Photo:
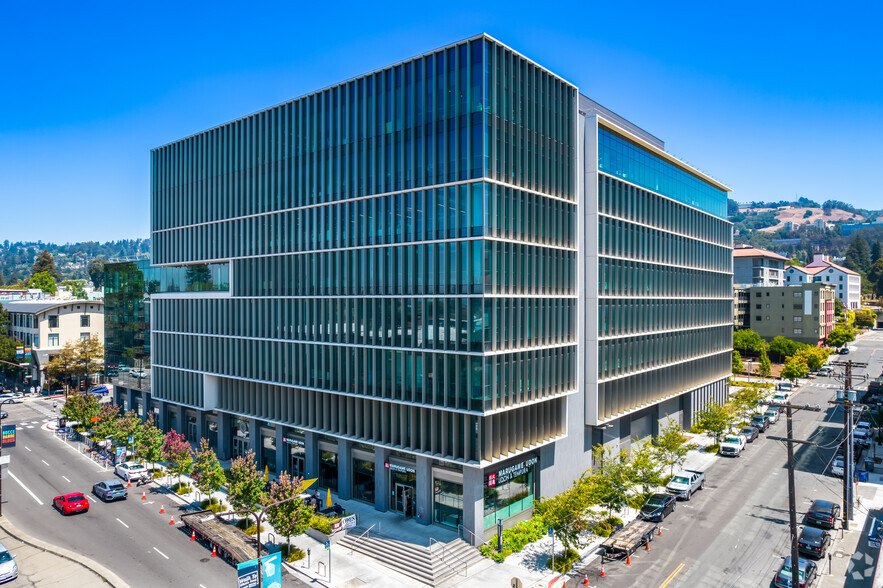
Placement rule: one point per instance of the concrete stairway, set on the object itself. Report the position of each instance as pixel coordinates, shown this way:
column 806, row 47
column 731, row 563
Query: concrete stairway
column 429, row 565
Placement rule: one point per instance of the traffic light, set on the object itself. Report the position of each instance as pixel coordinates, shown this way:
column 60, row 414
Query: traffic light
column 82, row 385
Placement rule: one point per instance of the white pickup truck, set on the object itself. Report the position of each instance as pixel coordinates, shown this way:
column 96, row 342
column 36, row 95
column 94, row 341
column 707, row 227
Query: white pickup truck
column 685, row 483
column 732, row 445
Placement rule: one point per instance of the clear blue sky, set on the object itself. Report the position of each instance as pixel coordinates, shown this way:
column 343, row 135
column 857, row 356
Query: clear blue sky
column 775, row 99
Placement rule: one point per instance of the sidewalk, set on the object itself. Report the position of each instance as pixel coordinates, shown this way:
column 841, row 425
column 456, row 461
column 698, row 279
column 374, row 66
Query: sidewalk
column 44, row 565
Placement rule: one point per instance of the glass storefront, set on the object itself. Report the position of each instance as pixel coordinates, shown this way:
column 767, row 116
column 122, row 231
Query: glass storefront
column 268, row 449
column 240, row 437
column 212, row 428
column 509, row 491
column 403, row 484
column 363, row 480
column 448, row 503
column 190, row 428
column 297, row 454
column 328, row 469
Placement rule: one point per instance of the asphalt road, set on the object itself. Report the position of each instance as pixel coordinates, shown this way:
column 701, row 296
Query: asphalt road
column 735, row 532
column 129, row 536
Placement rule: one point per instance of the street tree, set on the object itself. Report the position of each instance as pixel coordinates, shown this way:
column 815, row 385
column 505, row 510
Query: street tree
column 96, row 272
column 207, row 472
column 646, row 467
column 715, row 418
column 81, row 408
column 748, row 340
column 177, row 454
column 567, row 513
column 127, row 427
column 795, row 367
column 840, row 336
column 671, row 445
column 782, row 347
column 765, row 368
column 814, row 357
column 149, row 440
column 745, row 401
column 107, row 425
column 738, row 366
column 865, row 319
column 89, row 354
column 246, row 482
column 611, row 480
column 77, row 288
column 63, row 366
column 45, row 282
column 292, row 517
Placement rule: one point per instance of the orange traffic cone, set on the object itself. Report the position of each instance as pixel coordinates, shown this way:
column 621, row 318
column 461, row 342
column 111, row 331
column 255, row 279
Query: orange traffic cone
column 586, row 580
column 647, row 545
column 214, row 551
column 193, row 535
column 144, row 496
column 659, row 530
column 128, row 484
column 628, row 559
column 602, row 571
column 162, row 508
column 172, row 520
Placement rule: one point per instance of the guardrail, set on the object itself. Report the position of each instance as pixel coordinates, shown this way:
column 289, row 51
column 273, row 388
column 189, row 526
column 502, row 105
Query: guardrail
column 359, row 538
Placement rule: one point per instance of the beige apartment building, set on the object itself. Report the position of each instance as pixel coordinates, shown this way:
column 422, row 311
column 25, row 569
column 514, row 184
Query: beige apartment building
column 46, row 326
column 803, row 313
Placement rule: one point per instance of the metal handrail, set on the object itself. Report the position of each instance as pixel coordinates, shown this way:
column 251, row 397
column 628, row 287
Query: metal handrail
column 359, row 538
column 459, row 534
column 444, row 558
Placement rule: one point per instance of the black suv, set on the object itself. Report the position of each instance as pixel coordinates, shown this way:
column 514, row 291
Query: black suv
column 813, row 542
column 658, row 507
column 823, row 513
column 759, row 422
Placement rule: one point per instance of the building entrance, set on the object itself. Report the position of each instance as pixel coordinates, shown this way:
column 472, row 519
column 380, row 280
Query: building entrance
column 404, row 500
column 240, row 446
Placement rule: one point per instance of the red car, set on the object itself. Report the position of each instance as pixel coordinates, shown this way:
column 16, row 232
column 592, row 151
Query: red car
column 71, row 503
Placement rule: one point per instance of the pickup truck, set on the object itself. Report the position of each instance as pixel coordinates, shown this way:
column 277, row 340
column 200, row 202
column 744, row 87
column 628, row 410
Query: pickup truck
column 732, row 445
column 685, row 483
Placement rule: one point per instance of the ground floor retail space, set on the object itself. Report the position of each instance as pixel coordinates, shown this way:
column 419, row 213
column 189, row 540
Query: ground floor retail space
column 426, row 490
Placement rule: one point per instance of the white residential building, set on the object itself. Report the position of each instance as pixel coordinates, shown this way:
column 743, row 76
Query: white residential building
column 846, row 282
column 757, row 267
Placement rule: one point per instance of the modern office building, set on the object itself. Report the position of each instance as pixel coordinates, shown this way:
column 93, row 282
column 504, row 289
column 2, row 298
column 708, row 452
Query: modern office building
column 44, row 327
column 741, row 305
column 847, row 283
column 802, row 313
column 449, row 278
column 757, row 267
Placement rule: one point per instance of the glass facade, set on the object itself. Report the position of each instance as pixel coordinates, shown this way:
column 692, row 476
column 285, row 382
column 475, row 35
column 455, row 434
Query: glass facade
column 363, row 480
column 506, row 496
column 665, row 279
column 448, row 503
column 401, row 247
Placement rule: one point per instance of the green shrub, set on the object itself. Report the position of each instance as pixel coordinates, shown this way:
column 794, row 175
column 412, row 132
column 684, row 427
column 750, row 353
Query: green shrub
column 182, row 488
column 291, row 553
column 601, row 529
column 486, row 550
column 499, row 557
column 515, row 539
column 564, row 562
column 322, row 524
column 252, row 530
column 714, row 448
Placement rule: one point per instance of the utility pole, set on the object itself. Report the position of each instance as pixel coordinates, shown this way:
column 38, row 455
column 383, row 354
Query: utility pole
column 790, row 409
column 847, row 400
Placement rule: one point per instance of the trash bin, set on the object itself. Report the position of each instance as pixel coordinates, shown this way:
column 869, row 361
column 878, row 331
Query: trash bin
column 862, row 476
column 869, row 464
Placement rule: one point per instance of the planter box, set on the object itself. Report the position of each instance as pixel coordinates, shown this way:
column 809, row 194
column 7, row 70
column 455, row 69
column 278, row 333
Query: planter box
column 320, row 536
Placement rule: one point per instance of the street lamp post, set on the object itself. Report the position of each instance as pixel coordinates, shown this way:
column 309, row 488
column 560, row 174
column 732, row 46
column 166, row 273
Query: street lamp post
column 258, row 516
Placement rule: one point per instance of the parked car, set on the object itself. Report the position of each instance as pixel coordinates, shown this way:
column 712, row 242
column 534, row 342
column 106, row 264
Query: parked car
column 658, row 507
column 807, row 571
column 8, row 567
column 772, row 414
column 685, row 483
column 813, row 542
column 732, row 445
column 110, row 490
column 71, row 503
column 844, row 351
column 826, row 370
column 861, row 437
column 823, row 513
column 750, row 433
column 12, row 397
column 138, row 374
column 130, row 470
column 759, row 422
column 780, row 397
column 837, row 466
column 3, row 414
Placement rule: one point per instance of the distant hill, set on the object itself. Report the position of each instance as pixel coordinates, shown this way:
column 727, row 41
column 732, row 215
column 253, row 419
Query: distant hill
column 798, row 216
column 72, row 259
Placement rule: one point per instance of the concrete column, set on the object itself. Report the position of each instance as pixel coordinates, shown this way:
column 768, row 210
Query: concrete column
column 381, row 479
column 255, row 442
column 130, row 399
column 473, row 505
column 200, row 426
column 425, row 494
column 147, row 406
column 281, row 451
column 311, row 459
column 344, row 469
column 162, row 421
column 225, row 441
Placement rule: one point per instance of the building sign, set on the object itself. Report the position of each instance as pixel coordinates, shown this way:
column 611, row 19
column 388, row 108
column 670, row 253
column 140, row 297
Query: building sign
column 293, row 441
column 27, row 352
column 19, row 352
column 394, row 467
column 271, row 572
column 504, row 475
column 344, row 523
column 8, row 435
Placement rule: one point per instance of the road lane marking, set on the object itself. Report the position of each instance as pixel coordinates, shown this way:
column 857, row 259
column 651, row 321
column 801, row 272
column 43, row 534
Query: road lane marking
column 201, row 586
column 672, row 576
column 161, row 553
column 28, row 448
column 44, row 461
column 127, row 526
column 66, row 480
column 28, row 490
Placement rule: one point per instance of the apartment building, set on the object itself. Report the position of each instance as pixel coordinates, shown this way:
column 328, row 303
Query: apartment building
column 803, row 313
column 757, row 267
column 847, row 283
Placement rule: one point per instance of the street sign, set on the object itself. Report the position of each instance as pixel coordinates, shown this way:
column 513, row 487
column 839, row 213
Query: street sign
column 8, row 435
column 551, row 531
column 327, row 545
column 131, row 440
column 271, row 572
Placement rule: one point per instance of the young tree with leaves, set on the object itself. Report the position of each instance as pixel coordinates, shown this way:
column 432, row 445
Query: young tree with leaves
column 177, row 453
column 748, row 340
column 671, row 445
column 611, row 479
column 127, row 426
column 765, row 369
column 795, row 367
column 715, row 418
column 292, row 517
column 746, row 400
column 45, row 263
column 81, row 408
column 246, row 482
column 567, row 513
column 107, row 425
column 45, row 282
column 149, row 440
column 840, row 336
column 646, row 467
column 89, row 355
column 207, row 472
column 738, row 366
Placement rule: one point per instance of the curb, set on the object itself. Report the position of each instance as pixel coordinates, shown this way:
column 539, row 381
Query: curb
column 99, row 570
